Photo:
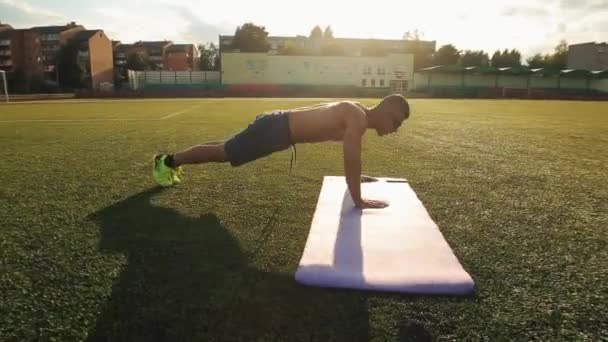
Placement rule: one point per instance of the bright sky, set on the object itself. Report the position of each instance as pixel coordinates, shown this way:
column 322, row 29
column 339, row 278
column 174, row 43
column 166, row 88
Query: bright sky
column 528, row 25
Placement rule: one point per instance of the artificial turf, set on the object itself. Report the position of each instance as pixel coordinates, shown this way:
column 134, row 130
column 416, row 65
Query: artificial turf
column 91, row 249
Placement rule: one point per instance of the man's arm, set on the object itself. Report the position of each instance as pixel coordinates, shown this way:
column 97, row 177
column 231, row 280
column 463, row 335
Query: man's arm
column 355, row 127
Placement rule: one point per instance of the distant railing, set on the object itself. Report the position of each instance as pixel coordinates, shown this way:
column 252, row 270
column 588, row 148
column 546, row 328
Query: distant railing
column 139, row 79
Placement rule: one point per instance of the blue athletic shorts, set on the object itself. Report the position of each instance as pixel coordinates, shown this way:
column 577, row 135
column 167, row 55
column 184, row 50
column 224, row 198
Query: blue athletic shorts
column 269, row 133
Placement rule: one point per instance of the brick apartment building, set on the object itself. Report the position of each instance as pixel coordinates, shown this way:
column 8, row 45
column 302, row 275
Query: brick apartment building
column 95, row 57
column 52, row 39
column 30, row 55
column 182, row 57
column 163, row 54
column 21, row 55
column 588, row 56
column 121, row 54
column 155, row 51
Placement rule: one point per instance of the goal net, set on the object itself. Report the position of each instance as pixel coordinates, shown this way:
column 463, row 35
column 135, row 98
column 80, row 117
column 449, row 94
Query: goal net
column 3, row 86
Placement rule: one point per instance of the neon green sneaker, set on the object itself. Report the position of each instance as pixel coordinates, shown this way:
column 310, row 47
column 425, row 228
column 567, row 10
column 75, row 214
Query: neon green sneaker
column 163, row 175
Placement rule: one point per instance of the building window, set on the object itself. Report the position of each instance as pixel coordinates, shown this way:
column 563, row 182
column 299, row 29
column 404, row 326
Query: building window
column 50, row 36
column 382, row 83
column 364, row 82
column 373, row 82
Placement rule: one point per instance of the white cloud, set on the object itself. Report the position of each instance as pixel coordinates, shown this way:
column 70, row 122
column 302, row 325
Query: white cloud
column 113, row 13
column 528, row 25
column 21, row 12
column 526, row 11
column 25, row 7
column 197, row 30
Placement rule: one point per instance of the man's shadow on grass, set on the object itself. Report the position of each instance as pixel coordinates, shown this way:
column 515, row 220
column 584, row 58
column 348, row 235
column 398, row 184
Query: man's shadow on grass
column 187, row 278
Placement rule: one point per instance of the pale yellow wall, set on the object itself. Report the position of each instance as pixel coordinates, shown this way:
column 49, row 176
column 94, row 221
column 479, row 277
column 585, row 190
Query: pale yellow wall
column 100, row 58
column 260, row 68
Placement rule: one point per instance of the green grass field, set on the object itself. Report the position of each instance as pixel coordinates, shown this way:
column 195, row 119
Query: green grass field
column 91, row 249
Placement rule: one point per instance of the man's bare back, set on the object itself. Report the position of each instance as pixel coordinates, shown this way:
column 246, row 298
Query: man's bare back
column 320, row 123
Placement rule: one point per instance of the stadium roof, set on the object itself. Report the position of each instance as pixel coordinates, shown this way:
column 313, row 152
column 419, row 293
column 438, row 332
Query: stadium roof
column 520, row 70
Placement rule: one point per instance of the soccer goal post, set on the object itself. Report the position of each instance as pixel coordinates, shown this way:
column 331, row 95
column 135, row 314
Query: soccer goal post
column 3, row 85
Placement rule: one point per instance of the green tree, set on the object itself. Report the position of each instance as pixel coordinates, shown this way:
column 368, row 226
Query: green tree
column 316, row 33
column 16, row 81
column 538, row 61
column 413, row 35
column 515, row 58
column 506, row 58
column 328, row 34
column 559, row 60
column 446, row 55
column 497, row 60
column 423, row 56
column 474, row 58
column 69, row 71
column 138, row 62
column 210, row 57
column 251, row 38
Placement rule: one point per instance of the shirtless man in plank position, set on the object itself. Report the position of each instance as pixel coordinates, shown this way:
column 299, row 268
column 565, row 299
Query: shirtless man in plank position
column 344, row 121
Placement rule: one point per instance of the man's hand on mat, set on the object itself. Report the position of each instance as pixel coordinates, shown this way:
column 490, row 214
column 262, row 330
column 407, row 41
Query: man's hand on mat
column 368, row 179
column 371, row 204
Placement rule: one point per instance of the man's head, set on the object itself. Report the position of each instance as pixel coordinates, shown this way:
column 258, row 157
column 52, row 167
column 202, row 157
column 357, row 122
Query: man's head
column 389, row 114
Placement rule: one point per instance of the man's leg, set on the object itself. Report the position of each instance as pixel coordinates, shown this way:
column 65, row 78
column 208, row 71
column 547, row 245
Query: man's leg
column 167, row 170
column 199, row 154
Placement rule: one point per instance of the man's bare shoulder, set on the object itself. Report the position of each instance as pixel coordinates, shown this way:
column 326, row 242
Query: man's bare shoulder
column 351, row 111
column 321, row 105
column 344, row 105
column 346, row 112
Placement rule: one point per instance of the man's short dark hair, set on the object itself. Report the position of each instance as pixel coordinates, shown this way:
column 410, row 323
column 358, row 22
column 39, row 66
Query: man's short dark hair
column 397, row 100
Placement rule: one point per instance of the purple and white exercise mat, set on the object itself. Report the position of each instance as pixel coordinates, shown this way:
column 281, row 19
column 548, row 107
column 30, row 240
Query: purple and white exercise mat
column 398, row 248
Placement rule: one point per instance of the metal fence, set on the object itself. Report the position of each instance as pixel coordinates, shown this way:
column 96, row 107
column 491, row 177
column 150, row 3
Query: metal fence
column 141, row 79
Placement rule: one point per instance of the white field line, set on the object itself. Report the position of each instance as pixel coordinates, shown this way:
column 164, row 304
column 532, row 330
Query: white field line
column 74, row 120
column 166, row 117
column 185, row 99
column 174, row 114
